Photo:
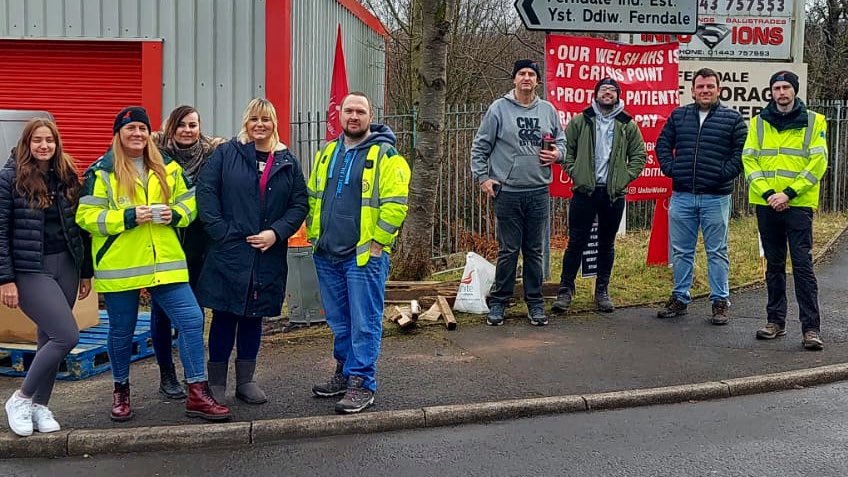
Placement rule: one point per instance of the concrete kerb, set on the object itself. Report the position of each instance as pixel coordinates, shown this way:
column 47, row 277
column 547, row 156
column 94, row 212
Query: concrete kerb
column 271, row 430
column 145, row 439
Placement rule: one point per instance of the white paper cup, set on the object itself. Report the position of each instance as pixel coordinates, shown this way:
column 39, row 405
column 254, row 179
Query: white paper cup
column 156, row 210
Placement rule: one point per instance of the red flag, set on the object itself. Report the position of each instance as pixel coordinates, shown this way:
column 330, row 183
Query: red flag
column 338, row 90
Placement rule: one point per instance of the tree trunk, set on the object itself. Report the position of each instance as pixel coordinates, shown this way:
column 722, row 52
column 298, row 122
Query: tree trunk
column 414, row 255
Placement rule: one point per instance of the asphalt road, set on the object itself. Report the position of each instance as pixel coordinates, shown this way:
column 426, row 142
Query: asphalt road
column 795, row 433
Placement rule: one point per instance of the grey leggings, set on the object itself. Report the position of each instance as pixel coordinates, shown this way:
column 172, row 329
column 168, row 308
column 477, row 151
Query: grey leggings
column 47, row 298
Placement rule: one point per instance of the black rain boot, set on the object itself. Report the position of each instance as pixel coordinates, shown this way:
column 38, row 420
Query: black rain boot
column 169, row 386
column 246, row 388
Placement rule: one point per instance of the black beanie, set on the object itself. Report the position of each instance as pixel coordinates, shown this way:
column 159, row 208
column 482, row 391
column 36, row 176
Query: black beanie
column 128, row 115
column 526, row 64
column 787, row 76
column 608, row 81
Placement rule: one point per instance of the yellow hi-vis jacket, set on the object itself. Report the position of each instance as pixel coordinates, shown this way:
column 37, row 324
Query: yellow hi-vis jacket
column 793, row 159
column 128, row 256
column 384, row 206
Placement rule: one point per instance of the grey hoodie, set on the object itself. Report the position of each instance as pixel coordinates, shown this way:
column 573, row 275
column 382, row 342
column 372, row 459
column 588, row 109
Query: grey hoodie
column 506, row 147
column 604, row 132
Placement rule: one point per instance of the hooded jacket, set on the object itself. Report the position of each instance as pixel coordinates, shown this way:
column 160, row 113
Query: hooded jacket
column 506, row 147
column 358, row 196
column 129, row 256
column 626, row 157
column 786, row 152
column 236, row 277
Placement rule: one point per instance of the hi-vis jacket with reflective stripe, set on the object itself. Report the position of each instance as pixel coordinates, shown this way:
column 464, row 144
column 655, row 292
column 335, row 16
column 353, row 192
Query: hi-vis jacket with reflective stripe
column 128, row 256
column 383, row 208
column 792, row 160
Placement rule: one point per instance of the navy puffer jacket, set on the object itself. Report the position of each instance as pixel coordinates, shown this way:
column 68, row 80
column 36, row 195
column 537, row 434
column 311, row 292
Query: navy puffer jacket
column 702, row 159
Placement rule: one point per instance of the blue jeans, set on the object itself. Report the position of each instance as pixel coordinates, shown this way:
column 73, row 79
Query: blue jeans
column 521, row 221
column 353, row 305
column 687, row 213
column 177, row 300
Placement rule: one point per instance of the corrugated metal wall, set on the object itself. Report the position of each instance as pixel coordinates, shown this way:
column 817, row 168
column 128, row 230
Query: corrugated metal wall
column 213, row 50
column 314, row 25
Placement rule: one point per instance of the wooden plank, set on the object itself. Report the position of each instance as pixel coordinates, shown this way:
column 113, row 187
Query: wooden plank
column 433, row 314
column 447, row 313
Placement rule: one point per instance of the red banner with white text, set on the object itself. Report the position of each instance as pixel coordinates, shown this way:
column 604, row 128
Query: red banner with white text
column 647, row 75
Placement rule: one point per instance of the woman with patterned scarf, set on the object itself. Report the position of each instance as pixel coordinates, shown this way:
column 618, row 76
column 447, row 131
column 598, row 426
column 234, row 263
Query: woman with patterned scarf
column 182, row 140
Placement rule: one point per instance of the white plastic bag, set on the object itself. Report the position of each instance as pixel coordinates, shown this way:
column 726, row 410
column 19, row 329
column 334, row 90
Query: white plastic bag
column 477, row 280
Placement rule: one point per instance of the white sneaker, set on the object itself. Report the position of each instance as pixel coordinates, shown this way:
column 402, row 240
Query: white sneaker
column 19, row 412
column 42, row 419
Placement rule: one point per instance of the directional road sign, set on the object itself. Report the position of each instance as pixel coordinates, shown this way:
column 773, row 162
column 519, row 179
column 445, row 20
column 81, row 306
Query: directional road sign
column 612, row 16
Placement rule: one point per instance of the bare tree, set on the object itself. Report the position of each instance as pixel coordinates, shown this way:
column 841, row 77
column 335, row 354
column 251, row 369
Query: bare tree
column 436, row 20
column 486, row 37
column 826, row 49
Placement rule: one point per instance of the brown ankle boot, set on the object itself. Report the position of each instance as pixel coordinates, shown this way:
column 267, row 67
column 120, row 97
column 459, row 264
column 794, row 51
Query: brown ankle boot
column 201, row 403
column 121, row 410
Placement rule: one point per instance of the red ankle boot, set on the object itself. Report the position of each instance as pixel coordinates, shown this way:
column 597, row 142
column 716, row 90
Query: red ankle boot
column 121, row 410
column 200, row 403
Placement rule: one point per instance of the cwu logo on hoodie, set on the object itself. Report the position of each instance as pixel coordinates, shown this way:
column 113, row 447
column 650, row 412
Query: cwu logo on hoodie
column 529, row 132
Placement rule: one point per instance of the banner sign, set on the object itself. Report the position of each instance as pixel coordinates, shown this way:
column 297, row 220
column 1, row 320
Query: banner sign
column 648, row 76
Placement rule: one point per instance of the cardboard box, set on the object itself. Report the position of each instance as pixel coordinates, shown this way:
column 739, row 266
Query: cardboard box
column 15, row 327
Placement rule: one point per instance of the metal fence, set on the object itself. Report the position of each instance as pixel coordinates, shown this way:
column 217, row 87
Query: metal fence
column 463, row 218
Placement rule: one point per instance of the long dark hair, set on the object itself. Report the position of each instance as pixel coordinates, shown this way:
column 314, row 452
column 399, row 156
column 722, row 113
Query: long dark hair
column 173, row 121
column 30, row 181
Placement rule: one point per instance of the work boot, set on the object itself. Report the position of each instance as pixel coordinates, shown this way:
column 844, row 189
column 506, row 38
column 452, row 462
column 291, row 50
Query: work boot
column 336, row 386
column 812, row 341
column 169, row 386
column 356, row 397
column 720, row 316
column 563, row 301
column 201, row 403
column 121, row 409
column 246, row 388
column 673, row 307
column 217, row 374
column 770, row 331
column 496, row 314
column 603, row 300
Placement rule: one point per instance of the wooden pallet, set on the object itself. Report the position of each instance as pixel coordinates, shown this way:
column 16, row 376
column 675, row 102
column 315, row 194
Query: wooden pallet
column 87, row 359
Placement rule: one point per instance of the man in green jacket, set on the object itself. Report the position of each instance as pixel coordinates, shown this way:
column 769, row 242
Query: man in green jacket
column 604, row 153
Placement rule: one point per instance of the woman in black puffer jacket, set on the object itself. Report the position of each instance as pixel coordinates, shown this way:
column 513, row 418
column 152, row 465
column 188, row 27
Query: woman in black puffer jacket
column 43, row 253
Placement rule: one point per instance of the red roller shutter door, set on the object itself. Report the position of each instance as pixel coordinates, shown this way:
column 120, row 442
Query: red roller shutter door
column 83, row 84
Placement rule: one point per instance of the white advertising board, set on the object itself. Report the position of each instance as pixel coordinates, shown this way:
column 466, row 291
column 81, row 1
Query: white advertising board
column 772, row 8
column 735, row 29
column 744, row 85
column 732, row 37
